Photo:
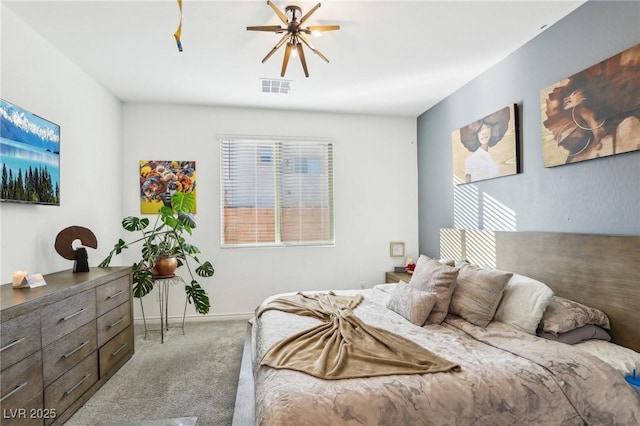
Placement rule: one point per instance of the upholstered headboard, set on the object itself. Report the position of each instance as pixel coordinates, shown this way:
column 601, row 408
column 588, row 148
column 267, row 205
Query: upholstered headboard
column 602, row 271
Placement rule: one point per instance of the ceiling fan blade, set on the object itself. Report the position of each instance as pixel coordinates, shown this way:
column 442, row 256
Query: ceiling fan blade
column 316, row 51
column 322, row 28
column 276, row 47
column 285, row 62
column 319, row 53
column 302, row 59
column 270, row 28
column 280, row 13
column 309, row 13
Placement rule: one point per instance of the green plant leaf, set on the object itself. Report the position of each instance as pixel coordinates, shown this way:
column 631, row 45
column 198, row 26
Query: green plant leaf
column 187, row 220
column 171, row 221
column 197, row 295
column 205, row 270
column 190, row 249
column 183, row 201
column 132, row 223
column 120, row 245
column 107, row 260
column 142, row 280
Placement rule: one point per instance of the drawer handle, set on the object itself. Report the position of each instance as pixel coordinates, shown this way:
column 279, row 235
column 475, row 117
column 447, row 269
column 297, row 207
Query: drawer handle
column 82, row 345
column 16, row 389
column 124, row 345
column 15, row 342
column 117, row 322
column 77, row 384
column 115, row 294
column 74, row 314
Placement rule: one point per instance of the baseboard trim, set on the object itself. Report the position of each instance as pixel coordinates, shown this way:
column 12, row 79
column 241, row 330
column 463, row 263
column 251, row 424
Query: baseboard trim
column 199, row 318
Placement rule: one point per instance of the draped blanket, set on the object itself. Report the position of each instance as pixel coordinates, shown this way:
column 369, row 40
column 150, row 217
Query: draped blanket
column 342, row 346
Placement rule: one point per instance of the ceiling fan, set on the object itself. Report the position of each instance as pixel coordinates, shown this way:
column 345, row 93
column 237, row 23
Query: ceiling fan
column 295, row 35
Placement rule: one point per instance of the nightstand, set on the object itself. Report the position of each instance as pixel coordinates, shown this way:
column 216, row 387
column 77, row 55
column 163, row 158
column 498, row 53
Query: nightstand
column 394, row 277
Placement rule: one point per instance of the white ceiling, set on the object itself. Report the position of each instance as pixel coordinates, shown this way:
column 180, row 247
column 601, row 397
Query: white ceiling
column 389, row 57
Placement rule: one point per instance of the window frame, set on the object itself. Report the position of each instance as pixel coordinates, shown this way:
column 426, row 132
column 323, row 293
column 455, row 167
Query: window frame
column 275, row 158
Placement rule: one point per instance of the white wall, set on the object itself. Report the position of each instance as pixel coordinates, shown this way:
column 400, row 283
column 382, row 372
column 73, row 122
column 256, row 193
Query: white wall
column 102, row 141
column 38, row 78
column 375, row 198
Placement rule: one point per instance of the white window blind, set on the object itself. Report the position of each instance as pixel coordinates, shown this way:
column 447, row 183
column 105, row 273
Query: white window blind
column 276, row 192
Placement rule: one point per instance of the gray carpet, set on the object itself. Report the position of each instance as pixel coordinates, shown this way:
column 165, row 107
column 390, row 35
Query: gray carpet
column 185, row 379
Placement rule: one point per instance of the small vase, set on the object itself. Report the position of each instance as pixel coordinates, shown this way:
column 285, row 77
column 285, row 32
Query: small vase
column 165, row 267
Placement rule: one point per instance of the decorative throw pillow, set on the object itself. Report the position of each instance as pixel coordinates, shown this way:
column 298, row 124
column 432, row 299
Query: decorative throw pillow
column 580, row 334
column 523, row 303
column 434, row 277
column 564, row 315
column 413, row 304
column 477, row 294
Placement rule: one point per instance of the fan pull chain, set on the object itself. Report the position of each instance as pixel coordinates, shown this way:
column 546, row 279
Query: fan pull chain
column 179, row 30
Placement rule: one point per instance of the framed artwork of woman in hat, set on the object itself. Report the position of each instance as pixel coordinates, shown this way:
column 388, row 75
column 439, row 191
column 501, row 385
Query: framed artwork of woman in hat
column 486, row 148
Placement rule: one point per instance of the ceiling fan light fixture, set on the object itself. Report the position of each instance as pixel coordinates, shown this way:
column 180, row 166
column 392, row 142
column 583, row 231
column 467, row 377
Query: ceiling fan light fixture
column 294, row 35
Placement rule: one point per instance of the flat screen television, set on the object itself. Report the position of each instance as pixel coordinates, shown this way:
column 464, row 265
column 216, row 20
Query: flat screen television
column 29, row 157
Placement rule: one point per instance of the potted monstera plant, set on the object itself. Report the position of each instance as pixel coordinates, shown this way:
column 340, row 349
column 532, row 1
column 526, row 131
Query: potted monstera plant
column 166, row 239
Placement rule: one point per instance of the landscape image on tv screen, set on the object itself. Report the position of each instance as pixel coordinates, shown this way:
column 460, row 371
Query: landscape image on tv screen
column 29, row 157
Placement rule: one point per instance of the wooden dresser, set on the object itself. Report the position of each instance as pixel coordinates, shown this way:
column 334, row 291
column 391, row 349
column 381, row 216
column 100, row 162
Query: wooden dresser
column 61, row 342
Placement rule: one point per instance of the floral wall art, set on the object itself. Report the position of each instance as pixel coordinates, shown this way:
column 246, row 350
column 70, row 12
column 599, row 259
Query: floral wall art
column 486, row 148
column 594, row 113
column 159, row 180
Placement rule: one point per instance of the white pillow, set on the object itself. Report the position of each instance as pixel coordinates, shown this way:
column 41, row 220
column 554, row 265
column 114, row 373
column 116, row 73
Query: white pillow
column 622, row 359
column 523, row 303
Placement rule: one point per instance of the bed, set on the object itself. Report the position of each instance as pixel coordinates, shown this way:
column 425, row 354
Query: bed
column 499, row 369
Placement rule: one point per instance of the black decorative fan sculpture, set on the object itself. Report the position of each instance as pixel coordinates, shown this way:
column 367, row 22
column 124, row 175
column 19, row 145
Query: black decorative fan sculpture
column 295, row 34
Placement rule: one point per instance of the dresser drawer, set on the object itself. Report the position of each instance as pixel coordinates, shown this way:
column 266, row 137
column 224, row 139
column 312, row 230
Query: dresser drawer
column 112, row 294
column 63, row 317
column 69, row 387
column 19, row 338
column 21, row 382
column 63, row 354
column 117, row 348
column 113, row 322
column 30, row 413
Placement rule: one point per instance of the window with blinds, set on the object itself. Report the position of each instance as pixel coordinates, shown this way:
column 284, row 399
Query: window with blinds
column 276, row 192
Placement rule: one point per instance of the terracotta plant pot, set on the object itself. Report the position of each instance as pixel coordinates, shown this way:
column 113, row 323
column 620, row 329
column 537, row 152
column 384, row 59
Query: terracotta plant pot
column 165, row 267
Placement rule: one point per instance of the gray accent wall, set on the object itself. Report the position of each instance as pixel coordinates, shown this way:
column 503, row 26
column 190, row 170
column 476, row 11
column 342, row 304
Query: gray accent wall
column 596, row 196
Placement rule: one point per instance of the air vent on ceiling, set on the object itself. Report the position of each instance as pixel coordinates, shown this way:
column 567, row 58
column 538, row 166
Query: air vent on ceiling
column 270, row 85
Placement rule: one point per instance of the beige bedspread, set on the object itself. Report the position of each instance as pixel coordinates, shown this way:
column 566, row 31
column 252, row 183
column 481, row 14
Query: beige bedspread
column 342, row 346
column 508, row 378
